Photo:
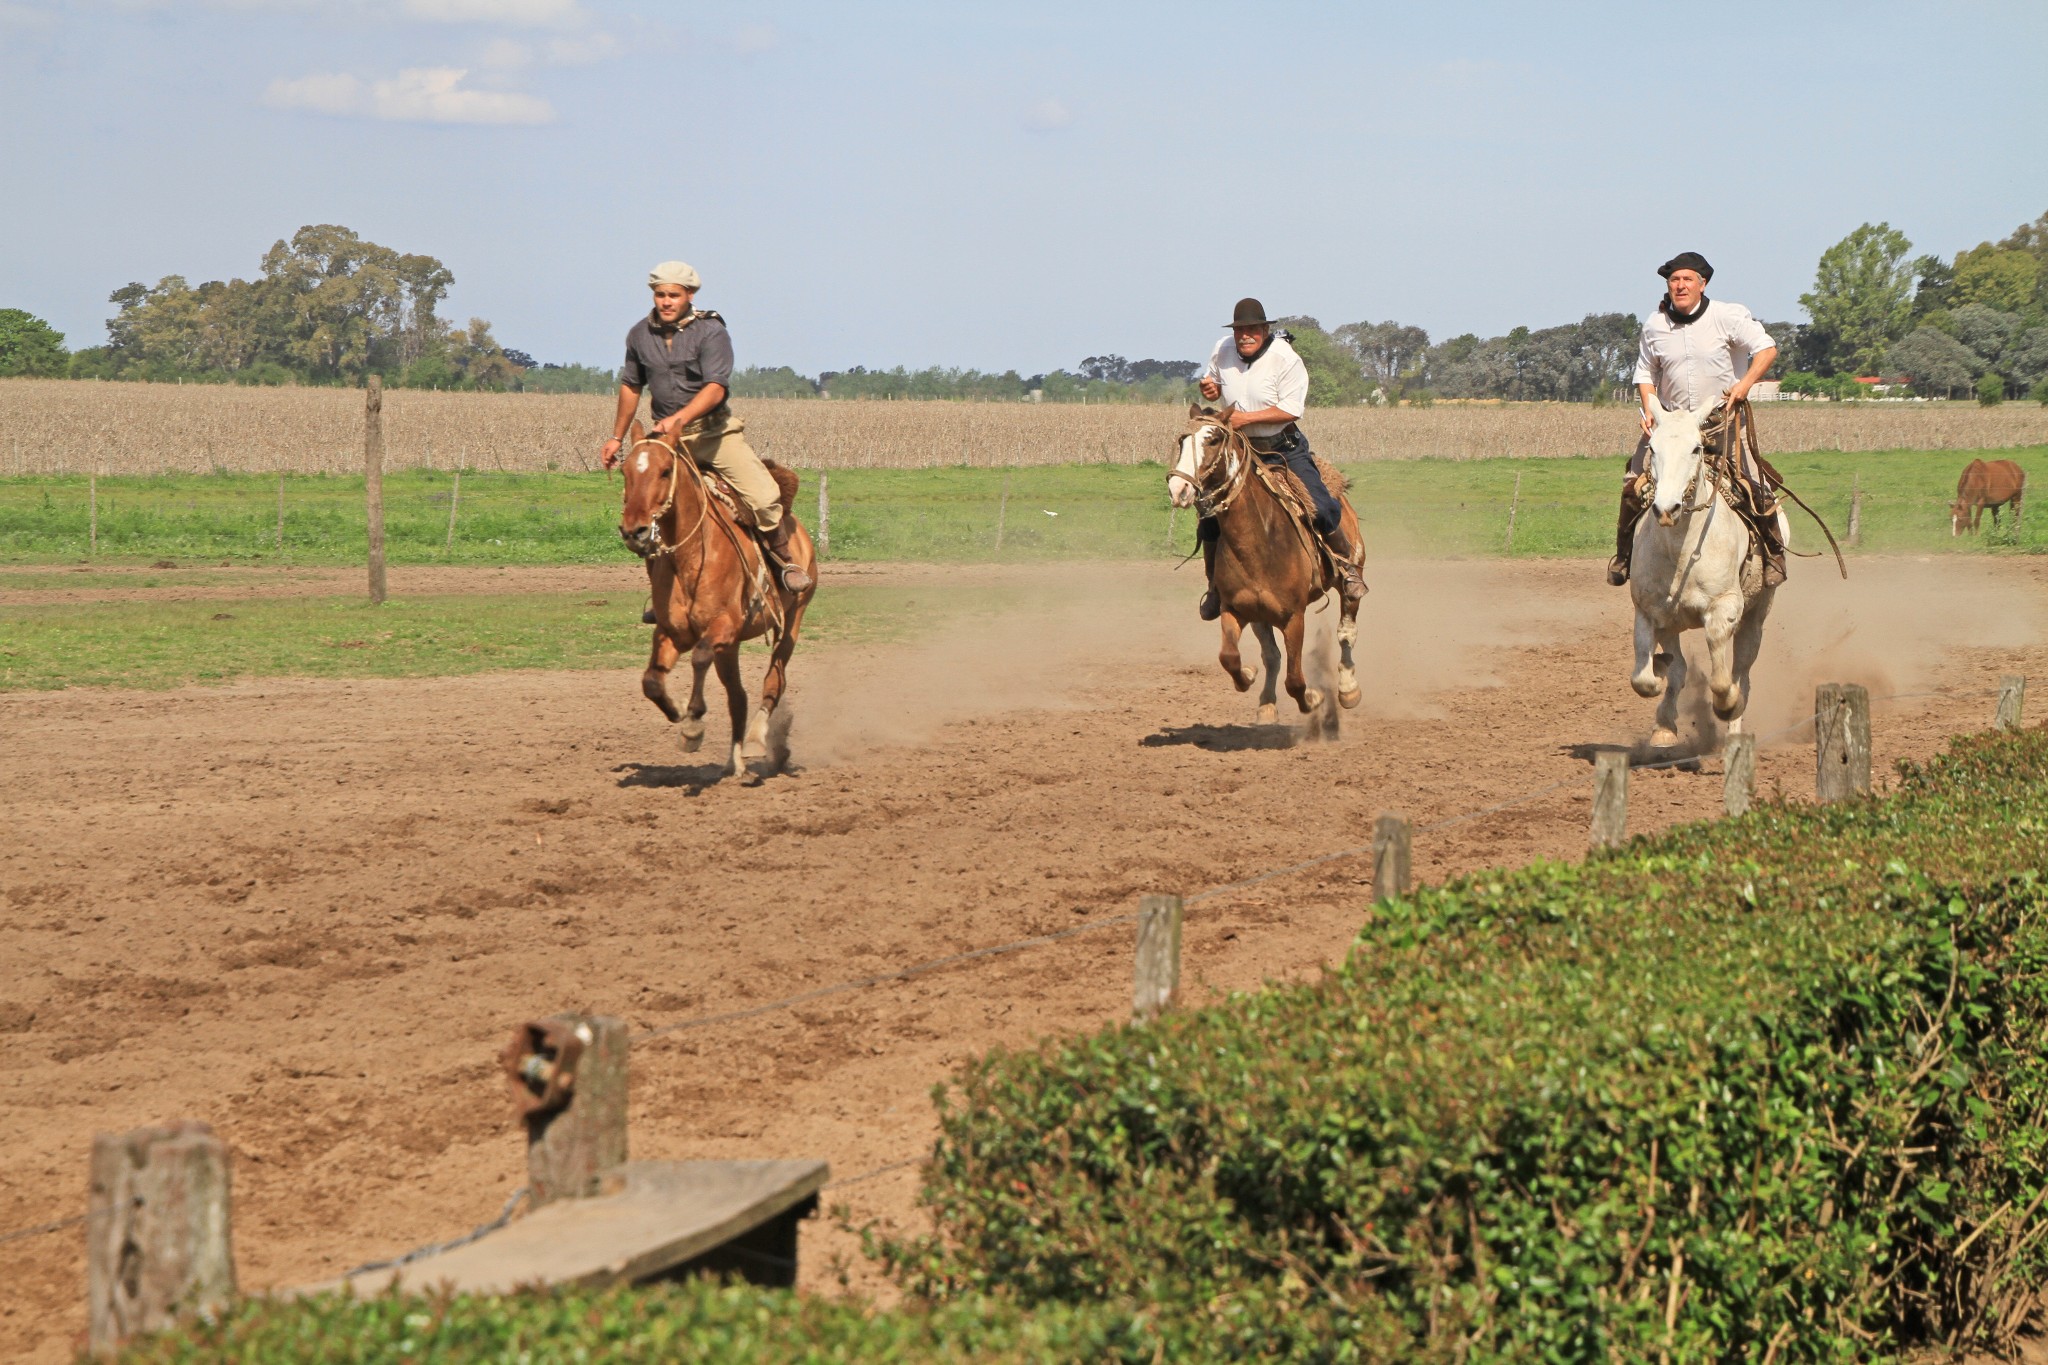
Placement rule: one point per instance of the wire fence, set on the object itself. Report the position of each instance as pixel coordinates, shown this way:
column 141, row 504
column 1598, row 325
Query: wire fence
column 995, row 950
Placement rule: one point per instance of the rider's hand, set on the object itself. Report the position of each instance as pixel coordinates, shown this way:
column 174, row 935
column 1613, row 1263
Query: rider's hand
column 1735, row 395
column 1210, row 389
column 1649, row 422
column 609, row 451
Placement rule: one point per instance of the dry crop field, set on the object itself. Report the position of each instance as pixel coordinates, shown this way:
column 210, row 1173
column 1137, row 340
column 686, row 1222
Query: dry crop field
column 67, row 426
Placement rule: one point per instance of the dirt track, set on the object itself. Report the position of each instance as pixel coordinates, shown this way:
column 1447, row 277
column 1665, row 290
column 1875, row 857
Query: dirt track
column 310, row 912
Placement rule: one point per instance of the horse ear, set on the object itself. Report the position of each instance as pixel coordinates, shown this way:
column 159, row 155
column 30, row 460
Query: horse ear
column 635, row 432
column 1194, row 409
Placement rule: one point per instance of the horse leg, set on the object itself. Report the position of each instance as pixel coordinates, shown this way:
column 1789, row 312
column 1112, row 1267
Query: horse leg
column 771, row 687
column 1305, row 697
column 1347, row 671
column 1233, row 663
column 1672, row 657
column 693, row 715
column 1749, row 641
column 1269, row 654
column 654, row 682
column 727, row 659
column 1722, row 619
column 1648, row 677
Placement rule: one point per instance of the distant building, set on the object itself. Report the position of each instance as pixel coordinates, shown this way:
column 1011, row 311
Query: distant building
column 1764, row 391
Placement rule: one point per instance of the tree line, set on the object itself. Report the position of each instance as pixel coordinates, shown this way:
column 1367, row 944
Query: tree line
column 330, row 307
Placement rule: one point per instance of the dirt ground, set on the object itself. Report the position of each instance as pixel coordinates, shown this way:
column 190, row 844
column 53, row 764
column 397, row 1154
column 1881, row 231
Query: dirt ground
column 310, row 912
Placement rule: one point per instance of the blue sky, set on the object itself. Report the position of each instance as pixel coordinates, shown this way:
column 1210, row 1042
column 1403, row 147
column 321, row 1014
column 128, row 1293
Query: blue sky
column 1007, row 185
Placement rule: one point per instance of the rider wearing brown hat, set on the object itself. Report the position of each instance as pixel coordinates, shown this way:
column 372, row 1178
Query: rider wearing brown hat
column 1694, row 351
column 1265, row 387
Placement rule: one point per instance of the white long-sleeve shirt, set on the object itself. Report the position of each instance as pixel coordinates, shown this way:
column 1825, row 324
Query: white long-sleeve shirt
column 1694, row 363
column 1277, row 379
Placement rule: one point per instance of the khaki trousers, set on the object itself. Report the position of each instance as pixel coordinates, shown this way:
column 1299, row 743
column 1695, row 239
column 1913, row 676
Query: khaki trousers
column 719, row 442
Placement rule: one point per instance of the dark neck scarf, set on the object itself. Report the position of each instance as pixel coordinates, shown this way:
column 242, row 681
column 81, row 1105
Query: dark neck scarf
column 1264, row 346
column 1679, row 319
column 668, row 329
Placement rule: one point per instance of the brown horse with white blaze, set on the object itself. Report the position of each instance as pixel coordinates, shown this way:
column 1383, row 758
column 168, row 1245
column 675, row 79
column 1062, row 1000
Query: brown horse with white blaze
column 1269, row 570
column 1986, row 483
column 713, row 587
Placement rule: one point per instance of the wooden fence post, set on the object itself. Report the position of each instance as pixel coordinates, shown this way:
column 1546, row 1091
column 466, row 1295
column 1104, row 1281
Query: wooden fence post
column 92, row 493
column 1738, row 765
column 1610, row 798
column 1002, row 511
column 1391, row 841
column 157, row 1230
column 1156, row 978
column 1855, row 535
column 373, row 480
column 454, row 497
column 2012, row 698
column 1841, row 740
column 280, row 511
column 1514, row 502
column 824, row 540
column 577, row 1143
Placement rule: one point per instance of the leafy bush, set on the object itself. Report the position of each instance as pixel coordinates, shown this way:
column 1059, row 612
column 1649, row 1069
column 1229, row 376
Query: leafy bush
column 1766, row 1086
column 1991, row 390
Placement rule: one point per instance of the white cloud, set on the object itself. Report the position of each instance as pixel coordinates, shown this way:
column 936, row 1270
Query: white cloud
column 517, row 13
column 1046, row 115
column 756, row 38
column 420, row 94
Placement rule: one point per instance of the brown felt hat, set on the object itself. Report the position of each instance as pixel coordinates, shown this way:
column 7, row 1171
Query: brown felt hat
column 1249, row 313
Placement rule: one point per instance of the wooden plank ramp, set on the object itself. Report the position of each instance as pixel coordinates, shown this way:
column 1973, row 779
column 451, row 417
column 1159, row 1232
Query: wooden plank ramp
column 737, row 1215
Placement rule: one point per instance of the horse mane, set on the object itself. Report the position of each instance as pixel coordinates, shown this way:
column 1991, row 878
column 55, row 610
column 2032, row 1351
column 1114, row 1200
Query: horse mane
column 1199, row 417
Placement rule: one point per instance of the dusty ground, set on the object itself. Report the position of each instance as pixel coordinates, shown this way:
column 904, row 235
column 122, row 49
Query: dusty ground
column 309, row 913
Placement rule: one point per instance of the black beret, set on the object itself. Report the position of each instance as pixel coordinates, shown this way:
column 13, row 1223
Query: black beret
column 1687, row 260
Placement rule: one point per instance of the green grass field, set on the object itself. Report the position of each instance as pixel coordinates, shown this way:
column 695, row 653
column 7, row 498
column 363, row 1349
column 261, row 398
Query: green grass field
column 166, row 528
column 1425, row 507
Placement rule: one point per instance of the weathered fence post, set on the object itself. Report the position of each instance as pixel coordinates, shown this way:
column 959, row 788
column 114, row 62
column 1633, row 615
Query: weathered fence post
column 1738, row 783
column 373, row 480
column 92, row 494
column 157, row 1230
column 1391, row 841
column 454, row 496
column 1514, row 501
column 1155, row 982
column 824, row 540
column 1610, row 798
column 1002, row 511
column 568, row 1078
column 1855, row 536
column 2012, row 698
column 280, row 511
column 1841, row 740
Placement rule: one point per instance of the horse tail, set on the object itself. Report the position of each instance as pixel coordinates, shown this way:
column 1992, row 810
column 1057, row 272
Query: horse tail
column 786, row 481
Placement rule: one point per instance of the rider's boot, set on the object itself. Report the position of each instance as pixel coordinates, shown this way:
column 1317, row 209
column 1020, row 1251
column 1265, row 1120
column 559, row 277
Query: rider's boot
column 1211, row 605
column 1632, row 506
column 1773, row 551
column 794, row 579
column 1350, row 583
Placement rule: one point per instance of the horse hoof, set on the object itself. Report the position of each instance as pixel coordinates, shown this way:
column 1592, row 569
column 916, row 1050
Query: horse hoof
column 1311, row 700
column 1269, row 714
column 693, row 734
column 1661, row 738
column 1245, row 678
column 754, row 748
column 1646, row 687
column 1347, row 700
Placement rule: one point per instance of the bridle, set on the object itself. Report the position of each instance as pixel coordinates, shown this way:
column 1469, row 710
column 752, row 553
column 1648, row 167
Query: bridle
column 1214, row 502
column 668, row 502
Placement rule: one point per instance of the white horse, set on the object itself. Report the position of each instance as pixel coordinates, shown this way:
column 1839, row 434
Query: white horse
column 1692, row 570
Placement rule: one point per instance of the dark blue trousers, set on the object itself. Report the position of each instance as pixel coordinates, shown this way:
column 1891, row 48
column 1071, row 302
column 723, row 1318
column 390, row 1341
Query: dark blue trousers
column 1293, row 451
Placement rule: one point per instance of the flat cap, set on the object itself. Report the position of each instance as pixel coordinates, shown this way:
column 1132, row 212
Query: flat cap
column 674, row 272
column 1687, row 260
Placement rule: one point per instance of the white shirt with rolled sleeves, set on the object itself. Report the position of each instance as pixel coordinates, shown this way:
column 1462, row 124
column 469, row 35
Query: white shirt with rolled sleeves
column 1277, row 379
column 1693, row 364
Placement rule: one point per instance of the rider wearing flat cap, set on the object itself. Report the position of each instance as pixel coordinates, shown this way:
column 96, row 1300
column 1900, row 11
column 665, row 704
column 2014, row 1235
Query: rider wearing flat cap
column 1695, row 351
column 1264, row 386
column 683, row 356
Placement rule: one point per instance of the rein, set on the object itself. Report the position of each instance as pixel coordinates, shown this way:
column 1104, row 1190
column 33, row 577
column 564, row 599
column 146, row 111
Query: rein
column 1737, row 431
column 757, row 599
column 1215, row 504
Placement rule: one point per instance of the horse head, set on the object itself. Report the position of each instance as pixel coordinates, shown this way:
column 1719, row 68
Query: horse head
column 1674, row 458
column 1958, row 516
column 651, row 472
column 1206, row 457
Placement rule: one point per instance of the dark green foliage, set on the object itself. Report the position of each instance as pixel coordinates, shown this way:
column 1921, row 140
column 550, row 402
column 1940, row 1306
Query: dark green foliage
column 30, row 346
column 1991, row 390
column 1774, row 1079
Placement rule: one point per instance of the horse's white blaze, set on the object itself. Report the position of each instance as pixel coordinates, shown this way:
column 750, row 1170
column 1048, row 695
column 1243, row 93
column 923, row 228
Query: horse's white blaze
column 641, row 463
column 1674, row 458
column 1180, row 484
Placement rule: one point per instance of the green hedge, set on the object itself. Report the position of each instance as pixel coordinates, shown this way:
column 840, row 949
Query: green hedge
column 1763, row 1087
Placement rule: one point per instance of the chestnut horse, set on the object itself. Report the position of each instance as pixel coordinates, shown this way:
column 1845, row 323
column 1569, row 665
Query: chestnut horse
column 1269, row 570
column 713, row 587
column 1983, row 485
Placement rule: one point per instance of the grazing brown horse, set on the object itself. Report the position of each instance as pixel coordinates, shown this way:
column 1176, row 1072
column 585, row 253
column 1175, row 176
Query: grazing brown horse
column 713, row 587
column 1269, row 570
column 1992, row 485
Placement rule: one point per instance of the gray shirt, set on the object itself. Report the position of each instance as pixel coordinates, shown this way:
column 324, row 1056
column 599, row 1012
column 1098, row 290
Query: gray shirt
column 673, row 367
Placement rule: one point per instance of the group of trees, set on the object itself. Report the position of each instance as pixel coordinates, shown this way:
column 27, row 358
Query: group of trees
column 1976, row 323
column 1097, row 379
column 328, row 308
